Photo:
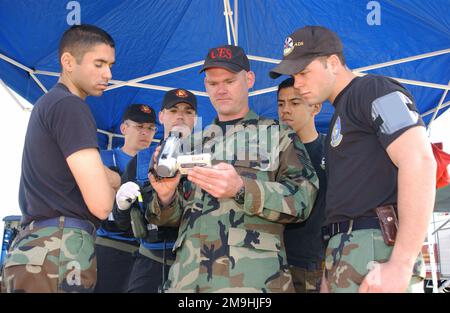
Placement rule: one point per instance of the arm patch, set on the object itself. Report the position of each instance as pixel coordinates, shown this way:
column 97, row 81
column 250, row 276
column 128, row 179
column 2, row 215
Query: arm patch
column 392, row 113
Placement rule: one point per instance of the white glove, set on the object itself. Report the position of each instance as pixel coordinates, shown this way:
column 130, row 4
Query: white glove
column 126, row 195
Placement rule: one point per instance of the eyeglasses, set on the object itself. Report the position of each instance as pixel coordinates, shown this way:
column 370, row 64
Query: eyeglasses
column 141, row 127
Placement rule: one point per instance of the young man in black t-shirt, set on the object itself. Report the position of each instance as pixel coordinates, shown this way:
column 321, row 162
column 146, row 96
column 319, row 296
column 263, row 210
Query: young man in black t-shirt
column 379, row 159
column 64, row 190
column 304, row 245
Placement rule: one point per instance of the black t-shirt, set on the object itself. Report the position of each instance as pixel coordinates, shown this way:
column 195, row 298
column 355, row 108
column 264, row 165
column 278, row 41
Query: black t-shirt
column 370, row 113
column 60, row 124
column 304, row 244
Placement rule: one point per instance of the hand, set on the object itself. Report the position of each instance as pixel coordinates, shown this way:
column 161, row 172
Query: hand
column 324, row 284
column 164, row 187
column 126, row 195
column 220, row 181
column 386, row 277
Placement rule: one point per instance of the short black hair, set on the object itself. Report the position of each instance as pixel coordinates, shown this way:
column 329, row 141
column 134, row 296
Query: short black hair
column 79, row 39
column 286, row 84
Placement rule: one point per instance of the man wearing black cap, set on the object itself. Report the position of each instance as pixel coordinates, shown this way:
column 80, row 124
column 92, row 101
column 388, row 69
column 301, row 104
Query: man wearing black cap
column 138, row 129
column 231, row 215
column 115, row 247
column 379, row 164
column 178, row 111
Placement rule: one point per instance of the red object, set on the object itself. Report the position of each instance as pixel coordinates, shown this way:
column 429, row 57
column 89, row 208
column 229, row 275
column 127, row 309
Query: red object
column 442, row 160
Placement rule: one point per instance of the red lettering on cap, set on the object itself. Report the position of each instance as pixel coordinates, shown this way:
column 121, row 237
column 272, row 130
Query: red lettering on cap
column 224, row 53
column 221, row 53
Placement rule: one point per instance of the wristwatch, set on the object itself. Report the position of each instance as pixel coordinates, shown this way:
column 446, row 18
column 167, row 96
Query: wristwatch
column 240, row 195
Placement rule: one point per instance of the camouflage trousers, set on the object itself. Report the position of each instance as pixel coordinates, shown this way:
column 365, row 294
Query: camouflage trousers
column 51, row 259
column 349, row 257
column 305, row 281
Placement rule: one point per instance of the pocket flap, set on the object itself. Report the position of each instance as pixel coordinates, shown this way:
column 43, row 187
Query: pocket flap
column 33, row 256
column 253, row 239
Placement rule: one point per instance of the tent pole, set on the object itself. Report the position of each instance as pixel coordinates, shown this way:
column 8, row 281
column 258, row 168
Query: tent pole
column 38, row 82
column 156, row 87
column 230, row 19
column 444, row 105
column 236, row 33
column 154, row 75
column 25, row 68
column 262, row 59
column 403, row 60
column 112, row 135
column 39, row 72
column 263, row 91
column 225, row 12
column 14, row 62
column 411, row 82
column 436, row 110
column 431, row 242
column 13, row 96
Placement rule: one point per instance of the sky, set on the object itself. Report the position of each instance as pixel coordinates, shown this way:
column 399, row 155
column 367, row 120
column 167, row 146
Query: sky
column 14, row 129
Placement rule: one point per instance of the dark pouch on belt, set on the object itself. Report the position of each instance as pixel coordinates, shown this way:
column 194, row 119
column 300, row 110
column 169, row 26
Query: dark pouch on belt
column 388, row 223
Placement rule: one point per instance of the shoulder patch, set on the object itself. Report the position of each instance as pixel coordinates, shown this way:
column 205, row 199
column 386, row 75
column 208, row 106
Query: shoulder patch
column 392, row 112
column 336, row 136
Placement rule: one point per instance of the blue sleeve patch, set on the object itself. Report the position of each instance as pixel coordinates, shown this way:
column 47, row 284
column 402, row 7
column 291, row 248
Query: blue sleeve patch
column 391, row 112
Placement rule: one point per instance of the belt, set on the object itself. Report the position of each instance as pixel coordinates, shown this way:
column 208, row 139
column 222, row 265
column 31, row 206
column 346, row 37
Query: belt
column 125, row 246
column 156, row 255
column 65, row 222
column 350, row 225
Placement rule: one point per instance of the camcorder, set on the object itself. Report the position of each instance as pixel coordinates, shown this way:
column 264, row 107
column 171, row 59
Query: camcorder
column 171, row 159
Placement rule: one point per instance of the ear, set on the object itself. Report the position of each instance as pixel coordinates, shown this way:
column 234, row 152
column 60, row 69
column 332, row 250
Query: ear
column 123, row 128
column 316, row 108
column 334, row 63
column 250, row 79
column 67, row 62
column 204, row 82
column 160, row 117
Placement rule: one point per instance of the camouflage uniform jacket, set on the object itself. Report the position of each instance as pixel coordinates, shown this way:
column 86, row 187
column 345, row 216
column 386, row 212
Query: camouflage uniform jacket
column 224, row 246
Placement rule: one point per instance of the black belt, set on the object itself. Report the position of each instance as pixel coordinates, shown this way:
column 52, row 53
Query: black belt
column 65, row 222
column 355, row 224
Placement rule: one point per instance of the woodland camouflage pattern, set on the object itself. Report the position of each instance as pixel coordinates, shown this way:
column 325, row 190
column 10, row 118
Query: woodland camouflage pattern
column 223, row 246
column 51, row 259
column 349, row 257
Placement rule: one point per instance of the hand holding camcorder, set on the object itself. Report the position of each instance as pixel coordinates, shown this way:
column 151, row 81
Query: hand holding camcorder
column 171, row 158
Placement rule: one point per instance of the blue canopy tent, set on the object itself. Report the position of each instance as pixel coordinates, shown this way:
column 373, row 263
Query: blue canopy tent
column 160, row 45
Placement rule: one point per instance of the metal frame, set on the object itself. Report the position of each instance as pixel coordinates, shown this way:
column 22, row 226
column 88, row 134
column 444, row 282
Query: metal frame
column 231, row 22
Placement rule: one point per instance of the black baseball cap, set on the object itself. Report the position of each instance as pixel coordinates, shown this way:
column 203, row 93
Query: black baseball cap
column 303, row 46
column 232, row 58
column 179, row 95
column 140, row 113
